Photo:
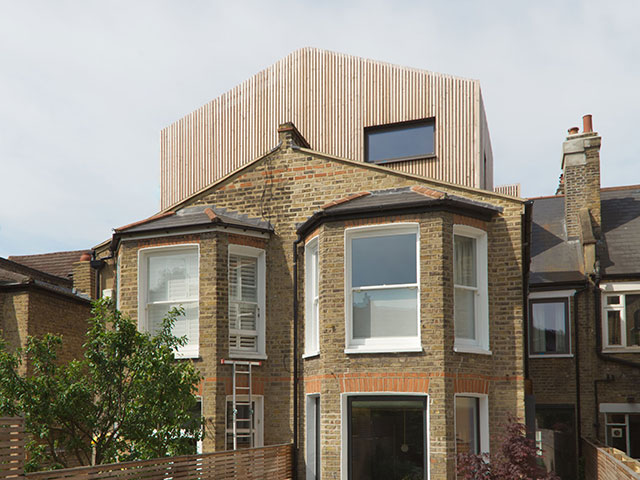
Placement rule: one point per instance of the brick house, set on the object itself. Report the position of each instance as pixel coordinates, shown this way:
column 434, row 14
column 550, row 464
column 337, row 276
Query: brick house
column 38, row 296
column 342, row 279
column 584, row 310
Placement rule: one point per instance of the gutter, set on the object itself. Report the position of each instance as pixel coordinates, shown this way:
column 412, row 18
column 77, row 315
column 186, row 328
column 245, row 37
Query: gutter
column 526, row 263
column 295, row 245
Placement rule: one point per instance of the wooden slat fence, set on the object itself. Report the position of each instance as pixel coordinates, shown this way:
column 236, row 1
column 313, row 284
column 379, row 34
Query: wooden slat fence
column 272, row 462
column 12, row 440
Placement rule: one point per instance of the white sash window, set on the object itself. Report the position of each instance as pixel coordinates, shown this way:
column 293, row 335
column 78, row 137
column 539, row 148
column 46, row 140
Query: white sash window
column 169, row 277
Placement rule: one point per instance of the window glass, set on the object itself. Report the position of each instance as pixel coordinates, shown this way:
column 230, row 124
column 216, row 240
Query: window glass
column 465, row 261
column 465, row 313
column 383, row 287
column 383, row 260
column 632, row 310
column 613, row 327
column 172, row 280
column 387, row 438
column 465, row 278
column 467, row 425
column 549, row 326
column 385, row 313
column 311, row 298
column 399, row 141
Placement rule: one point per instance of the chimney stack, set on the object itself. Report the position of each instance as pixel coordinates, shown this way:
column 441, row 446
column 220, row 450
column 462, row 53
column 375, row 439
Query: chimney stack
column 581, row 175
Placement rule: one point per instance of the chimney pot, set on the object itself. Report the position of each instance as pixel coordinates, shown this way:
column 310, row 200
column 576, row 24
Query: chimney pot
column 587, row 123
column 573, row 130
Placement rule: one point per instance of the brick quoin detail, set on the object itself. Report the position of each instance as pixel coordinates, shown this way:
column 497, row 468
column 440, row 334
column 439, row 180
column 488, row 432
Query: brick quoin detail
column 166, row 241
column 470, row 222
column 247, row 241
column 471, row 385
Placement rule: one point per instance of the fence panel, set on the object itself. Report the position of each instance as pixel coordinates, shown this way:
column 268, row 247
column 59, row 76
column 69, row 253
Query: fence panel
column 12, row 440
column 273, row 462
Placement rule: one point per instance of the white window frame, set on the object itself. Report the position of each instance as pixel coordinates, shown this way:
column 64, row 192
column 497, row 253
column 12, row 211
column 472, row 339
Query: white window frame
column 483, row 420
column 625, row 409
column 258, row 417
column 313, row 462
column 344, row 426
column 260, row 255
column 191, row 349
column 387, row 344
column 617, row 289
column 118, row 280
column 481, row 321
column 312, row 298
column 552, row 295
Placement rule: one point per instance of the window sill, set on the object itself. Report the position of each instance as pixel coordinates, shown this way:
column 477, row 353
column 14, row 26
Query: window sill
column 370, row 349
column 621, row 350
column 187, row 355
column 246, row 355
column 470, row 349
column 551, row 355
column 387, row 161
column 310, row 355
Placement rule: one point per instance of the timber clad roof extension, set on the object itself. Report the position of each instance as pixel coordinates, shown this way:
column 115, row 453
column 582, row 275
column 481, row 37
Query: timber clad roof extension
column 554, row 259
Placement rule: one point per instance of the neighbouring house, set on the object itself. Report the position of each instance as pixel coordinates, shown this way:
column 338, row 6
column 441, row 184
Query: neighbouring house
column 584, row 310
column 38, row 296
column 382, row 311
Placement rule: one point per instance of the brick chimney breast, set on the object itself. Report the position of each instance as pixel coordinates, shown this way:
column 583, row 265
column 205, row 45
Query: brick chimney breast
column 581, row 174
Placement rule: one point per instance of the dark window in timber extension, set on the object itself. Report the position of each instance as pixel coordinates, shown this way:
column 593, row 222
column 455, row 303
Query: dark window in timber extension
column 399, row 141
column 387, row 438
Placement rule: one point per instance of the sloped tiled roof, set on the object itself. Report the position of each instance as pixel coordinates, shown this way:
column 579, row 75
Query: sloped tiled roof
column 199, row 215
column 556, row 259
column 553, row 258
column 394, row 201
column 59, row 264
column 400, row 197
column 621, row 230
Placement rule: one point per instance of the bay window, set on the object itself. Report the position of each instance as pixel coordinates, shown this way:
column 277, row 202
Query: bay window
column 471, row 321
column 382, row 288
column 168, row 278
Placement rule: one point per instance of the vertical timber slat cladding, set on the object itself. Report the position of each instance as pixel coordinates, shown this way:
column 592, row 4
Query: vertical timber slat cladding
column 331, row 97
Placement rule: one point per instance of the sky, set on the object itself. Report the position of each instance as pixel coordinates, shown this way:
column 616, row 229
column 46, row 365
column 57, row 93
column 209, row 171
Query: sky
column 86, row 86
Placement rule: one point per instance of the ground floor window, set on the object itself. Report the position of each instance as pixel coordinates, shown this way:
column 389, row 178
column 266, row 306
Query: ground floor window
column 623, row 432
column 556, row 439
column 387, row 437
column 472, row 423
column 248, row 427
column 313, row 437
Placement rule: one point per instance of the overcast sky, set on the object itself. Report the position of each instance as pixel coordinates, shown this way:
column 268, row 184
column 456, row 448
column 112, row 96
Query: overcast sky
column 86, row 87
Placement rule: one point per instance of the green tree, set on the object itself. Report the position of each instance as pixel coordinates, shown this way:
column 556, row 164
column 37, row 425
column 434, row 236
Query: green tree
column 126, row 399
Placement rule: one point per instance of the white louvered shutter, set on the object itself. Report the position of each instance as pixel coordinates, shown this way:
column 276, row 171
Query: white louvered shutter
column 244, row 311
